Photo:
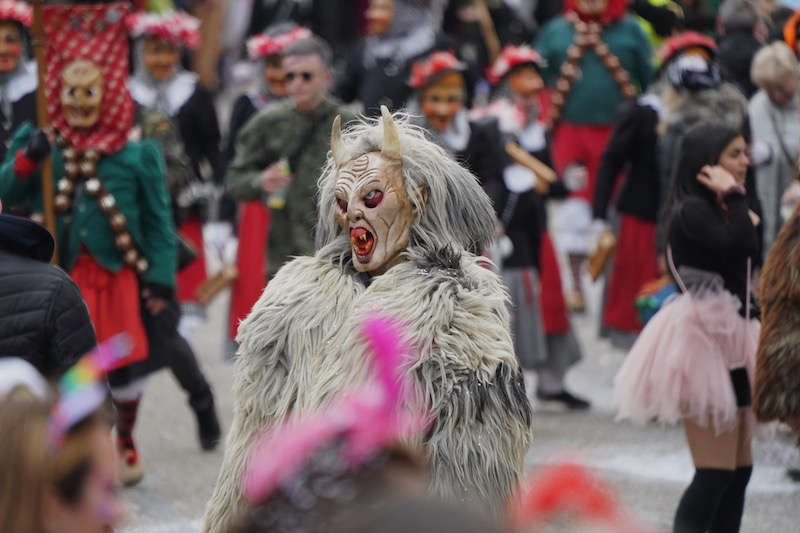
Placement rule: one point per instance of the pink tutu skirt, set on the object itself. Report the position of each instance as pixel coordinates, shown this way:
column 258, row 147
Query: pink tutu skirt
column 680, row 365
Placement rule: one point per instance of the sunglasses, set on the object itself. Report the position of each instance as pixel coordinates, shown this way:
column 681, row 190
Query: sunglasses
column 307, row 76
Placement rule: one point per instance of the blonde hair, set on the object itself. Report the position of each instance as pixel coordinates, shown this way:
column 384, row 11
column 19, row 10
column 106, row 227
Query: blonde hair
column 773, row 62
column 28, row 467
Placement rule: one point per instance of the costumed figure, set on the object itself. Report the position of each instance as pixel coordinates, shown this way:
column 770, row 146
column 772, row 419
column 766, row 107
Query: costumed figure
column 116, row 236
column 253, row 215
column 438, row 104
column 634, row 149
column 397, row 217
column 522, row 211
column 597, row 56
column 160, row 83
column 693, row 92
column 777, row 384
column 17, row 73
column 694, row 360
column 399, row 32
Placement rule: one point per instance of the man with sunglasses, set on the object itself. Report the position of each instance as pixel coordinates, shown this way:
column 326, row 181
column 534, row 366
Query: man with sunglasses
column 280, row 152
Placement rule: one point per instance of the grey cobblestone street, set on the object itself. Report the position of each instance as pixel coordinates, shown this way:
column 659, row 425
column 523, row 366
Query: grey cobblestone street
column 649, row 467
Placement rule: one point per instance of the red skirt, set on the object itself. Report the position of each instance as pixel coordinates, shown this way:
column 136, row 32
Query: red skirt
column 635, row 264
column 113, row 302
column 554, row 309
column 583, row 144
column 194, row 274
column 251, row 262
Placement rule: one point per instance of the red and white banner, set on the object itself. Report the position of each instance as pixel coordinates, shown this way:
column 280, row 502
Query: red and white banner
column 97, row 33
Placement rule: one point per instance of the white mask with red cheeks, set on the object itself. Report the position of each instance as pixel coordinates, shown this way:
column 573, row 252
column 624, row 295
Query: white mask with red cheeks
column 372, row 205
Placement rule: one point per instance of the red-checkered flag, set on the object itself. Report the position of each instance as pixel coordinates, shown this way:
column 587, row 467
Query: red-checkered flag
column 96, row 33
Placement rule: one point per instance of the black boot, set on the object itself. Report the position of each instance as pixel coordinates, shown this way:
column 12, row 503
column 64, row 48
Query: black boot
column 208, row 430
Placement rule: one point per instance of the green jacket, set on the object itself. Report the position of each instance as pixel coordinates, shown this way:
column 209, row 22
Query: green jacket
column 135, row 177
column 281, row 131
column 595, row 96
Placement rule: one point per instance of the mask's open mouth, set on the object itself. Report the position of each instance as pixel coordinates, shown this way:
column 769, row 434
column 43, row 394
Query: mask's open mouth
column 362, row 242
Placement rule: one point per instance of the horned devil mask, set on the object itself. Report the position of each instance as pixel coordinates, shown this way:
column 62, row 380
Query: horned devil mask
column 81, row 93
column 372, row 205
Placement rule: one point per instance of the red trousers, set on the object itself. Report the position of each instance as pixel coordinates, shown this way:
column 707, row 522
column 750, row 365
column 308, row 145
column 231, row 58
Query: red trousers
column 580, row 144
column 635, row 264
column 113, row 302
column 193, row 275
column 251, row 261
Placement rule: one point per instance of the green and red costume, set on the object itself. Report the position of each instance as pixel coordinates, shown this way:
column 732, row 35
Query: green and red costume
column 135, row 177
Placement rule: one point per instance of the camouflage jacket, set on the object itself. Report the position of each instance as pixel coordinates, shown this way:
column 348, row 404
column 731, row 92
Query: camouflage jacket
column 281, row 131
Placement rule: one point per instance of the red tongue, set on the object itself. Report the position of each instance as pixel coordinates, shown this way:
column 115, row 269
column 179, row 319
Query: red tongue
column 357, row 233
column 362, row 240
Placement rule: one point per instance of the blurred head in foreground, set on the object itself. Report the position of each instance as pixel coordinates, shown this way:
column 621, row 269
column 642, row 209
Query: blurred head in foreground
column 71, row 488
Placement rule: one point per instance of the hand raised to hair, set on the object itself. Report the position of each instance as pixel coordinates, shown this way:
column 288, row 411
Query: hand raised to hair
column 716, row 179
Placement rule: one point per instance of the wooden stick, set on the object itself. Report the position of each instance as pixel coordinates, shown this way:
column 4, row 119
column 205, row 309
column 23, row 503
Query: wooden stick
column 523, row 158
column 488, row 30
column 37, row 32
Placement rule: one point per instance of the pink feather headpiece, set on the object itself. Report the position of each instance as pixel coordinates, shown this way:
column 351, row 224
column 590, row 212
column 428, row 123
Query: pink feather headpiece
column 174, row 26
column 19, row 11
column 368, row 420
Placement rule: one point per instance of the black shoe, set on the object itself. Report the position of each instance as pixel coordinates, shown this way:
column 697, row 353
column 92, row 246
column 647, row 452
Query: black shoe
column 794, row 474
column 208, row 429
column 571, row 402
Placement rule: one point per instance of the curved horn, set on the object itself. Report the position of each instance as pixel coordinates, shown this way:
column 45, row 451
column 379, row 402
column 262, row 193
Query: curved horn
column 391, row 139
column 337, row 147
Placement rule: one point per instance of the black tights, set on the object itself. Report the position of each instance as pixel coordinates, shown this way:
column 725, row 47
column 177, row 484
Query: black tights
column 713, row 502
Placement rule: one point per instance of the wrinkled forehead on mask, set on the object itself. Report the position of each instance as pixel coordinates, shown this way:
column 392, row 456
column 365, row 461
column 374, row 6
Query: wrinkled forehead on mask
column 373, row 166
column 82, row 73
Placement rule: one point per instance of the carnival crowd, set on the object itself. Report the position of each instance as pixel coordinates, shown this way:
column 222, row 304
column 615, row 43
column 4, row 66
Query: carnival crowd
column 409, row 199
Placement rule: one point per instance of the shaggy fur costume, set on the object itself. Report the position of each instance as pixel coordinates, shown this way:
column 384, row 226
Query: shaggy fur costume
column 301, row 344
column 777, row 387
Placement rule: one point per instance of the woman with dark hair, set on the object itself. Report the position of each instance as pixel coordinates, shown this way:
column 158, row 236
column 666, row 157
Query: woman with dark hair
column 694, row 360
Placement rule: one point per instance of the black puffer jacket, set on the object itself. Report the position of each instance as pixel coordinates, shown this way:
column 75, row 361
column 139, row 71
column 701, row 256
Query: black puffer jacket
column 43, row 318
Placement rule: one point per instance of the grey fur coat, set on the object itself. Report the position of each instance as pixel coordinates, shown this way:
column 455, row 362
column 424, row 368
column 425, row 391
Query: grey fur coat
column 301, row 345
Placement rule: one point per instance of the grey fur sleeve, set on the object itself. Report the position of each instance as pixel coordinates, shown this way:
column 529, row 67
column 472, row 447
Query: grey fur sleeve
column 299, row 304
column 479, row 438
column 226, row 502
column 469, row 378
column 261, row 389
